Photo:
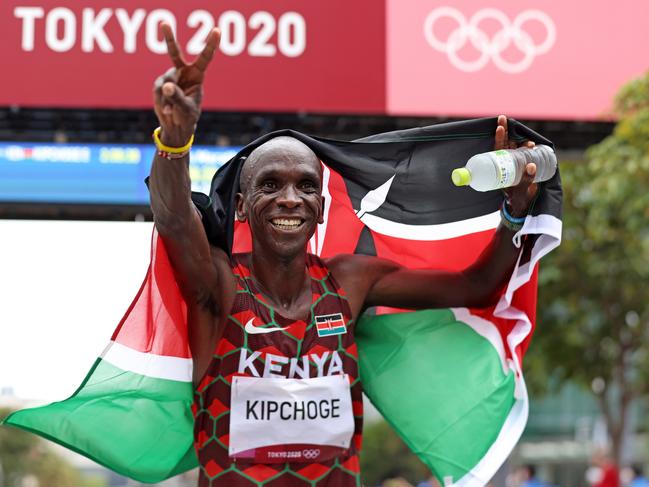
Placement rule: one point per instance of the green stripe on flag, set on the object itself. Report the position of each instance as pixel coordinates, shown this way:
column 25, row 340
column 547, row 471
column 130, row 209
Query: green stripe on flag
column 441, row 384
column 333, row 331
column 138, row 426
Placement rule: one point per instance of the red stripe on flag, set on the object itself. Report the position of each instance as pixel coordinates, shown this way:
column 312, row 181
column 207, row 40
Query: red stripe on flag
column 449, row 254
column 343, row 226
column 156, row 320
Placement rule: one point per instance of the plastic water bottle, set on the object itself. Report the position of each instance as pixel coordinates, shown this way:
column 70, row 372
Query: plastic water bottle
column 503, row 168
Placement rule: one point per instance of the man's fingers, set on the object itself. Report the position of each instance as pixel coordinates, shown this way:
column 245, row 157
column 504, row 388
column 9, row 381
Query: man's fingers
column 502, row 121
column 172, row 46
column 501, row 133
column 500, row 138
column 519, row 197
column 530, row 169
column 206, row 55
column 172, row 96
column 171, row 75
column 171, row 92
column 168, row 90
column 528, row 175
column 195, row 93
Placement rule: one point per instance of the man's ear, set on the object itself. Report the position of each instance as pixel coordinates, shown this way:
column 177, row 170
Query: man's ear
column 322, row 209
column 240, row 212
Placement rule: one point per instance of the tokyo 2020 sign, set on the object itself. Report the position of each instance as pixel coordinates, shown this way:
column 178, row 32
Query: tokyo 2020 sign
column 288, row 55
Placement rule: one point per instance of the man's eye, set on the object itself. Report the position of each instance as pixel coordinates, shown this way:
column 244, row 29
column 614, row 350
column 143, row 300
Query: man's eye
column 269, row 185
column 308, row 186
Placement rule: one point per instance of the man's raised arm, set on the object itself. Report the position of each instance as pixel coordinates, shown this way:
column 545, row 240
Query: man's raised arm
column 177, row 97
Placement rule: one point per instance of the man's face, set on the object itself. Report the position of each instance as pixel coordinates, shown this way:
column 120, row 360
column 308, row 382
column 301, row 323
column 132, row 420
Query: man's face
column 282, row 196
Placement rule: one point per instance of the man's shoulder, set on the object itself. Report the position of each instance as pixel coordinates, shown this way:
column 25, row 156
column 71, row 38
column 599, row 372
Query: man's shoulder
column 355, row 268
column 349, row 262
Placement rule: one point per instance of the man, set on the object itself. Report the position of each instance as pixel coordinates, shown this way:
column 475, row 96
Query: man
column 637, row 477
column 609, row 475
column 284, row 404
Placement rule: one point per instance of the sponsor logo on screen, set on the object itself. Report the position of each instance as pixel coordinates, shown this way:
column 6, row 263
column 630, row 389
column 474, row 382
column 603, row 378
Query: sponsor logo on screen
column 470, row 35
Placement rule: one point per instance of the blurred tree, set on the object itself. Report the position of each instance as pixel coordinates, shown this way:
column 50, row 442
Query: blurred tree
column 23, row 454
column 594, row 298
column 16, row 447
column 385, row 456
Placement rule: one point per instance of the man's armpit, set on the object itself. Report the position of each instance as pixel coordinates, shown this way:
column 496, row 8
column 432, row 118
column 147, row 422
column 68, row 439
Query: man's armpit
column 208, row 302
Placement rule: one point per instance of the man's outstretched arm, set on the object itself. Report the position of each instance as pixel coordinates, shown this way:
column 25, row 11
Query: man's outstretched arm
column 177, row 97
column 477, row 286
column 383, row 282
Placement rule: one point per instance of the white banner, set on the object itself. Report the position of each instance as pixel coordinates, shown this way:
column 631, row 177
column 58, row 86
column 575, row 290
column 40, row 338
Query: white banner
column 273, row 411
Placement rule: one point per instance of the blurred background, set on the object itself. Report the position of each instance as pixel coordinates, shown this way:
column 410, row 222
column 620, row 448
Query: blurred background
column 75, row 128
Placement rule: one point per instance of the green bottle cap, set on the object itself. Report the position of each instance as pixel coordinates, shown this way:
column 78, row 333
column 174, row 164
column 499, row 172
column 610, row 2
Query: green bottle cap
column 461, row 176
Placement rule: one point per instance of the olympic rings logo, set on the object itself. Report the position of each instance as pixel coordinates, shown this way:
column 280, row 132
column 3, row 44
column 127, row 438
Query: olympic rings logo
column 490, row 48
column 311, row 454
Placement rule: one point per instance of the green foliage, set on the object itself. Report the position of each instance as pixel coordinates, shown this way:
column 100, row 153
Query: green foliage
column 594, row 299
column 23, row 454
column 593, row 290
column 385, row 456
column 633, row 97
column 16, row 448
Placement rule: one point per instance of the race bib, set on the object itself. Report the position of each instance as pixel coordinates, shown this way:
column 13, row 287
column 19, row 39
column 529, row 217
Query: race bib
column 290, row 420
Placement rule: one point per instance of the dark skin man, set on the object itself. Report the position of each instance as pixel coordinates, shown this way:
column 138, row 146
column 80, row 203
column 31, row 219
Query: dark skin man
column 281, row 199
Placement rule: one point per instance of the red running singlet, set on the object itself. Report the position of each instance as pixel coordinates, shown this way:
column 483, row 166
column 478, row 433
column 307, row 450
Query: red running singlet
column 259, row 342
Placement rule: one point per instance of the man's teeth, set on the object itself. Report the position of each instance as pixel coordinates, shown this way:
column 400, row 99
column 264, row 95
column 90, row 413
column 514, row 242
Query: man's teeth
column 287, row 223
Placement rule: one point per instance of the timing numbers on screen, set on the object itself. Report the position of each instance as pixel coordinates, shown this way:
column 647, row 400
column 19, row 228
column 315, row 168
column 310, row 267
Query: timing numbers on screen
column 261, row 34
column 201, row 175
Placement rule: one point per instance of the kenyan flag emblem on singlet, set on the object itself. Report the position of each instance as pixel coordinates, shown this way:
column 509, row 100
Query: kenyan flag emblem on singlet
column 328, row 325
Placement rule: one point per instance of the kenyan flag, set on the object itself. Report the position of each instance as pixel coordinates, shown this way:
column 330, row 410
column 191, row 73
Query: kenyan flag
column 450, row 381
column 132, row 411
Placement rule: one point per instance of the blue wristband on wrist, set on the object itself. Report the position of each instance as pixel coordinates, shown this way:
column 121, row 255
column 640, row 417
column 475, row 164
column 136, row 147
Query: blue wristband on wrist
column 511, row 219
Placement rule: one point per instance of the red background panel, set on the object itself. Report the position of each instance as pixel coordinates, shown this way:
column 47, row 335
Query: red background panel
column 342, row 68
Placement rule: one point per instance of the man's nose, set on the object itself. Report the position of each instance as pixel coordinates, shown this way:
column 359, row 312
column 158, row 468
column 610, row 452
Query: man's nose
column 288, row 197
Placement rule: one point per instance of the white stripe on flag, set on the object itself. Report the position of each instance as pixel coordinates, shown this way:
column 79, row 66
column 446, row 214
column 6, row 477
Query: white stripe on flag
column 148, row 364
column 317, row 240
column 442, row 231
column 549, row 229
column 500, row 449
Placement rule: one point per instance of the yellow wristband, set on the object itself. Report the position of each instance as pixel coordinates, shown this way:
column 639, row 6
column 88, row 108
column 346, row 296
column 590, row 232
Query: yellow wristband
column 166, row 148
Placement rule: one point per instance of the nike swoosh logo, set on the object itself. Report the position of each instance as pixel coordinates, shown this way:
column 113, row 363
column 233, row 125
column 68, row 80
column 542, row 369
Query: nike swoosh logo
column 253, row 330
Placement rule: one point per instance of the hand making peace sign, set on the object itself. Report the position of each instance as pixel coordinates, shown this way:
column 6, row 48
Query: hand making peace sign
column 177, row 94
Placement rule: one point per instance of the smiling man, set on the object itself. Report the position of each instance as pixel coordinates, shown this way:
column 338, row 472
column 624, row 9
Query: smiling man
column 272, row 331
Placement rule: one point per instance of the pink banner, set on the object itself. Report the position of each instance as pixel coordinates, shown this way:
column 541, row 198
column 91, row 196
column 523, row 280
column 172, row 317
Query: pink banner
column 529, row 59
column 284, row 55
